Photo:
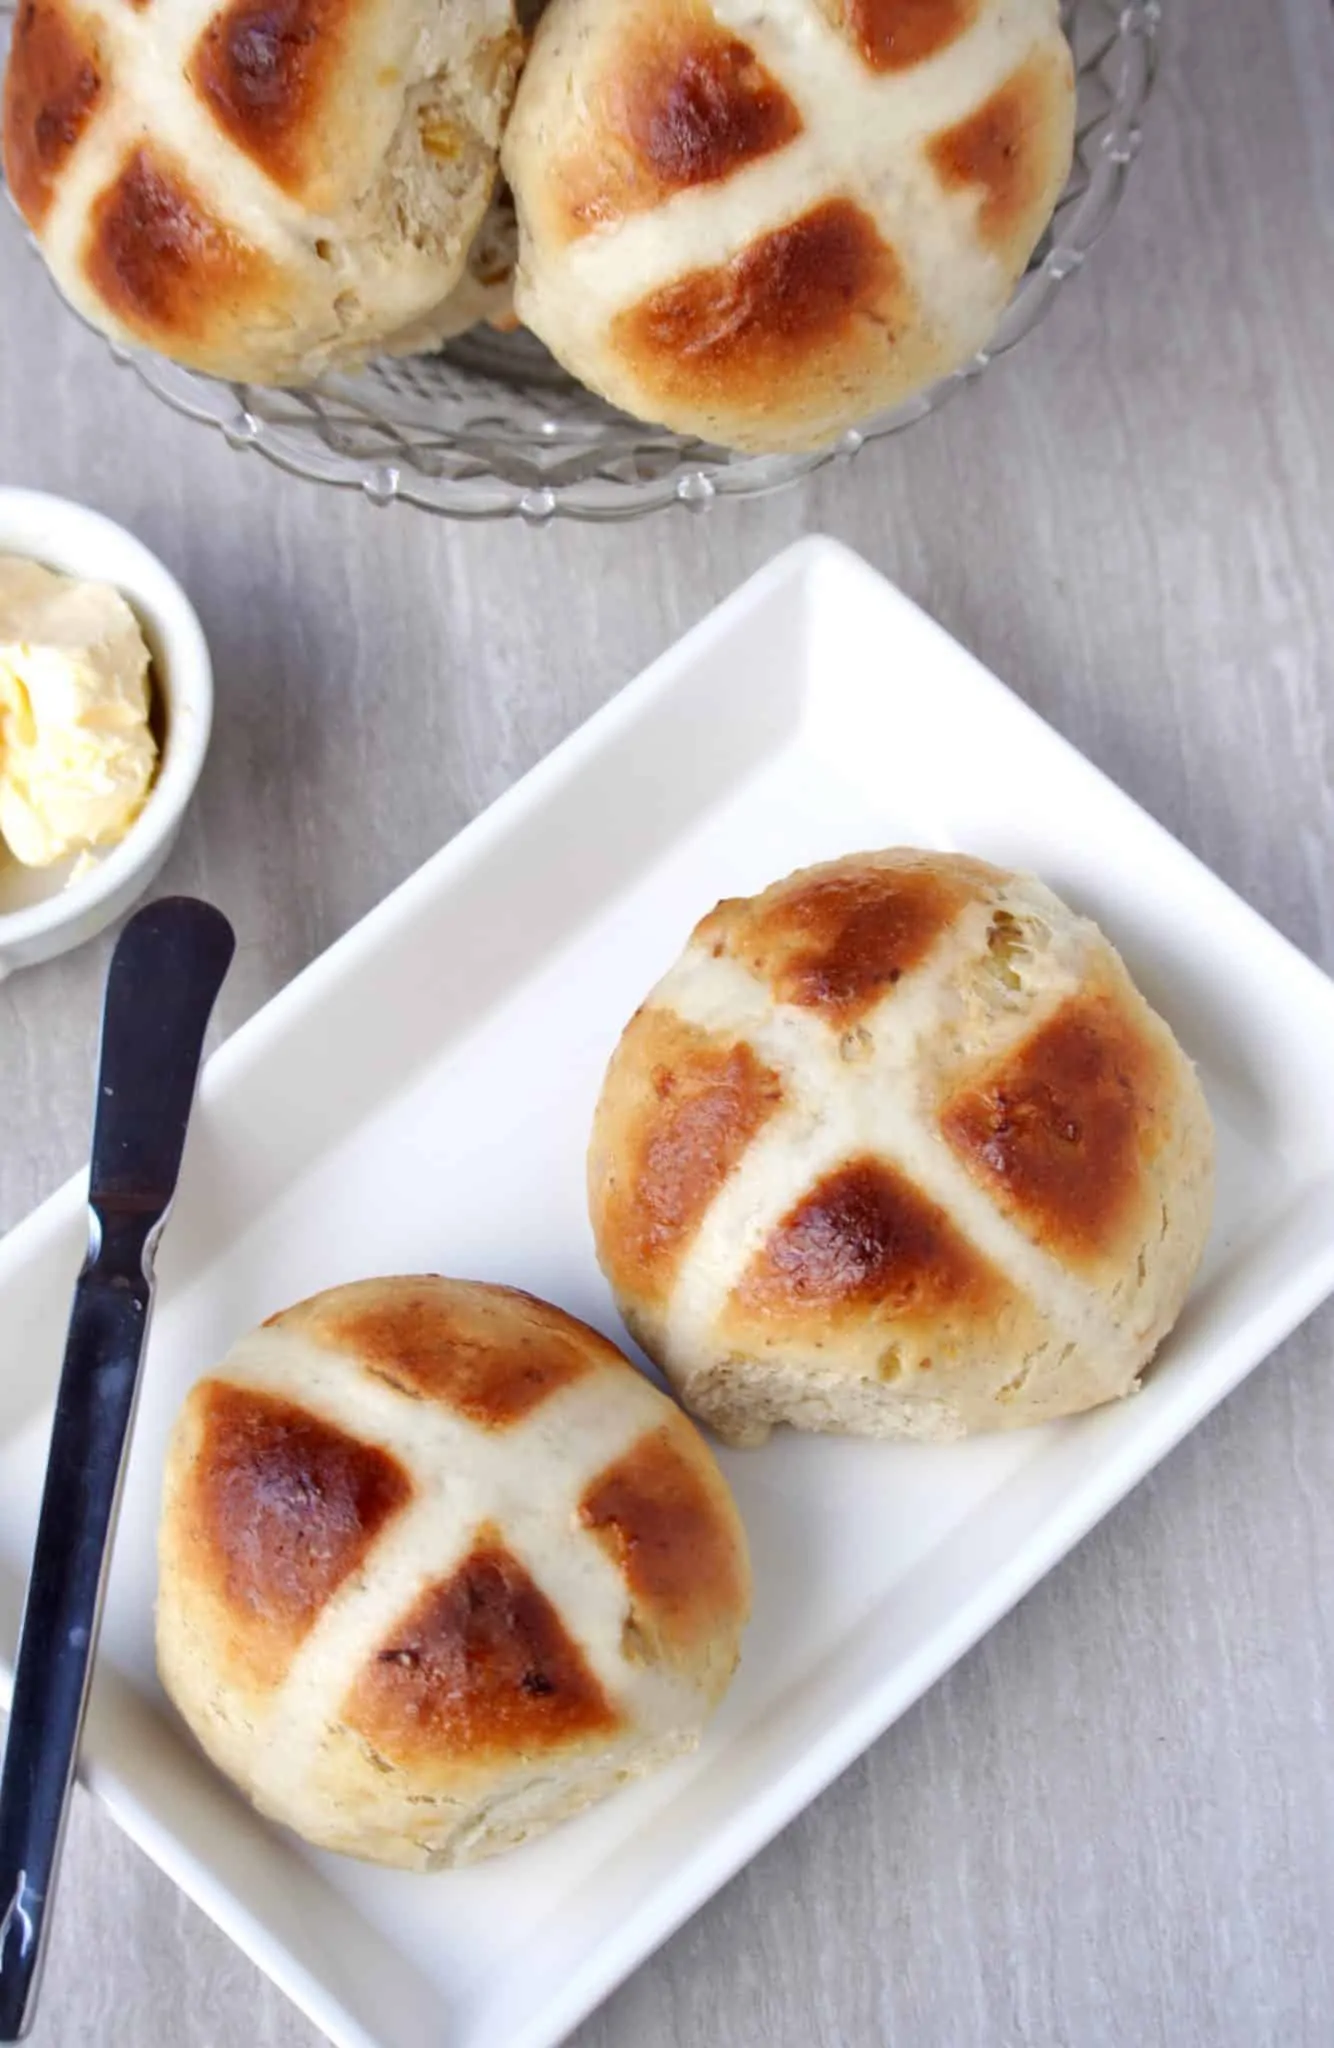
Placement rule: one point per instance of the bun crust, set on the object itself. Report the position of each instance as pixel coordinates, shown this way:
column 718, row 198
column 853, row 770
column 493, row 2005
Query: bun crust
column 897, row 1148
column 262, row 189
column 439, row 1568
column 762, row 223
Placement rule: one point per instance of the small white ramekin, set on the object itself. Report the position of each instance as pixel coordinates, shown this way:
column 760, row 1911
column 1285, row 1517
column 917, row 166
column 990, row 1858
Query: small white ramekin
column 69, row 538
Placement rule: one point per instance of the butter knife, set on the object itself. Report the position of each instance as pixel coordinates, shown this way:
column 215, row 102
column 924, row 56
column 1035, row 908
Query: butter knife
column 165, row 973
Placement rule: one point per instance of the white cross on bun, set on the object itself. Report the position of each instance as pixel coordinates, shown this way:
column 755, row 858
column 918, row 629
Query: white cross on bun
column 898, row 1149
column 439, row 1568
column 761, row 221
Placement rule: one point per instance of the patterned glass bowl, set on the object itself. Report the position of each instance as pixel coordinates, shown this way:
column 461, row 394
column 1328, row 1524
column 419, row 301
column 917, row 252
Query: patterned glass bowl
column 492, row 426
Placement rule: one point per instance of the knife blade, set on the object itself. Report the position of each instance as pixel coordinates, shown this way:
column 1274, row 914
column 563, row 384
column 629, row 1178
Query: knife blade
column 165, row 973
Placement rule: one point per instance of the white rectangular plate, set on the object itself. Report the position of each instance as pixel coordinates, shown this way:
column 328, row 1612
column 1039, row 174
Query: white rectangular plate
column 420, row 1100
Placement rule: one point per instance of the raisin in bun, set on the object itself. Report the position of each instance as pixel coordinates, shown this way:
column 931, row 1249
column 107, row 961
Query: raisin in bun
column 439, row 1568
column 761, row 221
column 258, row 191
column 897, row 1148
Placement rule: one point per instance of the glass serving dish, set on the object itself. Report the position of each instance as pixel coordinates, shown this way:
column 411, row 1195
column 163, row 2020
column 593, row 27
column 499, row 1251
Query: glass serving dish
column 491, row 426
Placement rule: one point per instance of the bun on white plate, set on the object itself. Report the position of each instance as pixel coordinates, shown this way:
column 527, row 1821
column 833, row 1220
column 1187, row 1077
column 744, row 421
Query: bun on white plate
column 897, row 1148
column 439, row 1568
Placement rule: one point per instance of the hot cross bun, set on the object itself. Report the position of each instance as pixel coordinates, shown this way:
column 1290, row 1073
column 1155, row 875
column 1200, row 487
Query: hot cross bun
column 439, row 1568
column 897, row 1148
column 762, row 221
column 258, row 188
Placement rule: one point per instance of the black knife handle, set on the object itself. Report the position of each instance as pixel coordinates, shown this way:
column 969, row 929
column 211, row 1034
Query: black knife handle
column 164, row 977
column 64, row 1598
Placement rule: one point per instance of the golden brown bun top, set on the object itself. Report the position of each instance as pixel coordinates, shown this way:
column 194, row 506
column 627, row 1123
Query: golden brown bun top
column 254, row 187
column 268, row 74
column 766, row 225
column 304, row 1459
column 1056, row 1104
column 894, row 35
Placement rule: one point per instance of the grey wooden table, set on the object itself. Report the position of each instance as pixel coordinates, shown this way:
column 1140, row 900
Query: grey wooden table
column 1114, row 1824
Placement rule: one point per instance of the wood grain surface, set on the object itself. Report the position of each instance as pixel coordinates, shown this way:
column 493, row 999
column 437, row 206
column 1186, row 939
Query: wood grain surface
column 1114, row 1824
